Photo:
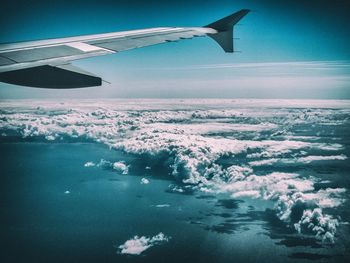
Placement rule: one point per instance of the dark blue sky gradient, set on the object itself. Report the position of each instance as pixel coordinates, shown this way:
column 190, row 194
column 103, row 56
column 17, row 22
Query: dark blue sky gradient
column 276, row 31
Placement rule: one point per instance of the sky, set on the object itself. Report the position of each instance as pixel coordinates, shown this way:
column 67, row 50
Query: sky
column 288, row 49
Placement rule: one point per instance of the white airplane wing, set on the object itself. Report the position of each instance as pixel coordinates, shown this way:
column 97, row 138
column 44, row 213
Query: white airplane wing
column 46, row 63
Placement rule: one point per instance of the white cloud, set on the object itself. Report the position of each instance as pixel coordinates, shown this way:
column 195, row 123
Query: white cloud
column 121, row 167
column 314, row 221
column 163, row 205
column 50, row 137
column 144, row 181
column 302, row 65
column 89, row 164
column 312, row 158
column 138, row 245
column 300, row 160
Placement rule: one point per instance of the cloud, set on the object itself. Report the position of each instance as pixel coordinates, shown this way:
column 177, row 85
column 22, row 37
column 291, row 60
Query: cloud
column 197, row 136
column 314, row 221
column 309, row 159
column 50, row 138
column 89, row 164
column 137, row 245
column 163, row 205
column 293, row 79
column 121, row 167
column 144, row 181
column 300, row 65
column 300, row 160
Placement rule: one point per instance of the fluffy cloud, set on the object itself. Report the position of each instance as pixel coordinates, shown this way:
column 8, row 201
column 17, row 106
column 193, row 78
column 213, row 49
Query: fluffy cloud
column 138, row 245
column 89, row 164
column 144, row 181
column 121, row 167
column 314, row 221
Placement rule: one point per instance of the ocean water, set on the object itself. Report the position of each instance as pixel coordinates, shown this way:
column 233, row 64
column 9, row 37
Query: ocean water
column 174, row 181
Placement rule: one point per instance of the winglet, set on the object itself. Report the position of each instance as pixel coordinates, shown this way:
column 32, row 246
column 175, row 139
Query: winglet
column 224, row 26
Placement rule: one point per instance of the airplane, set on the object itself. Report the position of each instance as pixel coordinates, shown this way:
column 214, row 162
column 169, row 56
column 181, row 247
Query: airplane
column 46, row 63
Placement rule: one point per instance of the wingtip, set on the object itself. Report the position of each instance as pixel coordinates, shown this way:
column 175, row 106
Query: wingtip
column 224, row 28
column 229, row 21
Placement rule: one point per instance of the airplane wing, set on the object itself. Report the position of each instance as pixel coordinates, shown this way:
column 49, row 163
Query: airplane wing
column 46, row 63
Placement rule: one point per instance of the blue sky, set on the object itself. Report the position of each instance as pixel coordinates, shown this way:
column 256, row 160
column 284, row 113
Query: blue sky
column 289, row 49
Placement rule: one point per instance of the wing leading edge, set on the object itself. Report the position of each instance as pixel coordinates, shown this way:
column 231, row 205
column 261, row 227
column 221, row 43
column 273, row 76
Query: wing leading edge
column 45, row 63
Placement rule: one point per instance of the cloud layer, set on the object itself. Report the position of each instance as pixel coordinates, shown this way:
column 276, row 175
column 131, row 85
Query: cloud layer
column 219, row 146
